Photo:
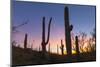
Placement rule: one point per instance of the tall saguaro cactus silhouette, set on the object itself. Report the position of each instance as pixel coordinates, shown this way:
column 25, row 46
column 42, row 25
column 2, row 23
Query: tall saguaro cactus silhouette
column 25, row 41
column 44, row 41
column 62, row 48
column 68, row 29
column 77, row 46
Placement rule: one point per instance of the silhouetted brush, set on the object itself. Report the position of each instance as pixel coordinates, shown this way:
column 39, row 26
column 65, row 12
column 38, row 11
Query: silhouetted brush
column 62, row 47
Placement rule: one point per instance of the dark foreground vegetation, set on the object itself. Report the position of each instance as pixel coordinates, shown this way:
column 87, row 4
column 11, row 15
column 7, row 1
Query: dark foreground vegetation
column 22, row 56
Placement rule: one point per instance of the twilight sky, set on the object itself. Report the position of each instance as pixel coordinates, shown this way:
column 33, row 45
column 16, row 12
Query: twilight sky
column 81, row 17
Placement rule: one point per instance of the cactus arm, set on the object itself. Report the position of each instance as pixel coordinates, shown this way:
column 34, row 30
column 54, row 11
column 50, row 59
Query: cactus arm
column 49, row 25
column 43, row 30
column 71, row 27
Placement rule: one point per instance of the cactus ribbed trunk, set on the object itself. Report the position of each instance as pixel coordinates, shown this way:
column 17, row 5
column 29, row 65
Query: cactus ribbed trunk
column 68, row 29
column 25, row 41
column 44, row 41
column 77, row 46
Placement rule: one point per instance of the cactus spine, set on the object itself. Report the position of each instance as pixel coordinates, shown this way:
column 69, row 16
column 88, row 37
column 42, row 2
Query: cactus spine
column 68, row 29
column 44, row 41
column 62, row 48
column 25, row 41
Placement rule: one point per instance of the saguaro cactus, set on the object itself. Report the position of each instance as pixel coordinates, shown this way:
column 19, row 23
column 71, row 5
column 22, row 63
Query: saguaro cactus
column 77, row 47
column 44, row 41
column 62, row 48
column 25, row 41
column 68, row 29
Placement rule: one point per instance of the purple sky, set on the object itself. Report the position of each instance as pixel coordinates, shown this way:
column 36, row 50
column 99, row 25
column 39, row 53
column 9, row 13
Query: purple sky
column 82, row 18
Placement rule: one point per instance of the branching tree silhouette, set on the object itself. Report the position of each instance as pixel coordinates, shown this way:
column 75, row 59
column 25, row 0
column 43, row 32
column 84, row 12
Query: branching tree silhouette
column 93, row 33
column 82, row 37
